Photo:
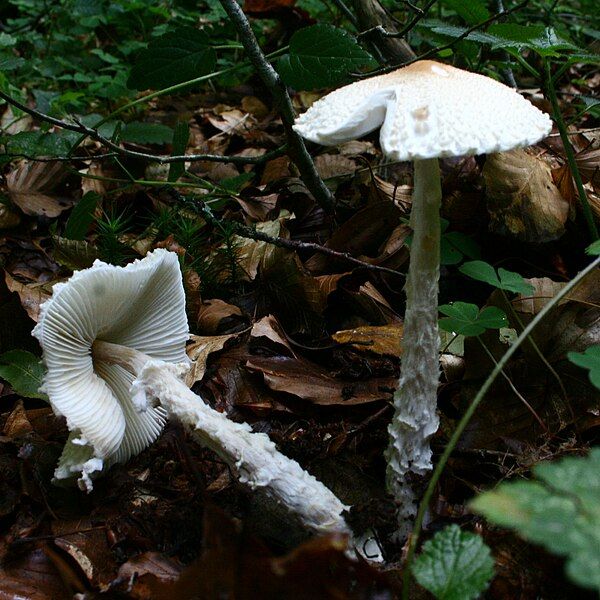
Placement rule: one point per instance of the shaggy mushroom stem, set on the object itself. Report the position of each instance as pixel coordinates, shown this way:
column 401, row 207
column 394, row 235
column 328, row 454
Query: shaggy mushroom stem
column 415, row 399
column 252, row 456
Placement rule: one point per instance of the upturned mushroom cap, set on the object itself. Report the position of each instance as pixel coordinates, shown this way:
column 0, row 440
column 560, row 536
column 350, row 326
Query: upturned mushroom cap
column 140, row 306
column 427, row 110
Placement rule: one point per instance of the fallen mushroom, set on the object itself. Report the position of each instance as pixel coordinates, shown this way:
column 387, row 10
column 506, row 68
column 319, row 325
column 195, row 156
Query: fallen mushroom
column 426, row 110
column 113, row 341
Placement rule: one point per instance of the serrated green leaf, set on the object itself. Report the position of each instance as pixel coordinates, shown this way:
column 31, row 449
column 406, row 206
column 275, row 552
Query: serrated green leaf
column 503, row 279
column 38, row 143
column 146, row 133
column 24, row 371
column 81, row 216
column 173, row 58
column 322, row 56
column 559, row 510
column 594, row 248
column 590, row 359
column 466, row 319
column 454, row 565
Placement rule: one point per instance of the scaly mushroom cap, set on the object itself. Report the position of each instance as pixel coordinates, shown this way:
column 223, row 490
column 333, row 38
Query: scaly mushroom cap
column 427, row 110
column 141, row 306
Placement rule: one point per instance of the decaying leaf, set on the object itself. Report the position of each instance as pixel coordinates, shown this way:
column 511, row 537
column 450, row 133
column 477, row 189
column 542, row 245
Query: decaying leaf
column 523, row 200
column 31, row 187
column 383, row 339
column 31, row 295
column 334, row 165
column 199, row 350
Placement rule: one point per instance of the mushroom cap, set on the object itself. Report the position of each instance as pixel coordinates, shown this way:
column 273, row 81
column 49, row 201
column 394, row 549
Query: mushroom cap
column 427, row 110
column 141, row 306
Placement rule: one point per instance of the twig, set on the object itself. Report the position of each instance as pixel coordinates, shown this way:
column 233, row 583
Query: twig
column 420, row 14
column 79, row 127
column 296, row 148
column 424, row 505
column 346, row 12
column 250, row 233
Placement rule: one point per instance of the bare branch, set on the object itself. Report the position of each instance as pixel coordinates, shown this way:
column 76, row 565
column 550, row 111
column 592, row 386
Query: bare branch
column 296, row 148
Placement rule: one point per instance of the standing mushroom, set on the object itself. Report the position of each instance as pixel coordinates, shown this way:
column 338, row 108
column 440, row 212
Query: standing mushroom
column 113, row 339
column 426, row 110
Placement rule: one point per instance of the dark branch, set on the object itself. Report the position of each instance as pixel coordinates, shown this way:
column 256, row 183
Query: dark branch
column 296, row 148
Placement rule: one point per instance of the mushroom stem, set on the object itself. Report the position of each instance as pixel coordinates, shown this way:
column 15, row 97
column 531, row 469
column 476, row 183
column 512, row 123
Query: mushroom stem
column 415, row 400
column 252, row 456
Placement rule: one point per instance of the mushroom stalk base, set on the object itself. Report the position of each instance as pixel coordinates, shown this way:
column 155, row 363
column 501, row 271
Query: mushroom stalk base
column 252, row 456
column 415, row 400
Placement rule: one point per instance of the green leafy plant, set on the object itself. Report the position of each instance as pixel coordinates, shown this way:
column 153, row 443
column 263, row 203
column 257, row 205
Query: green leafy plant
column 24, row 371
column 503, row 279
column 559, row 509
column 454, row 565
column 590, row 359
column 466, row 319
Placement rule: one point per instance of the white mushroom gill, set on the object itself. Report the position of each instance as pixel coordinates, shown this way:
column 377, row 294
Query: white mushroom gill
column 141, row 306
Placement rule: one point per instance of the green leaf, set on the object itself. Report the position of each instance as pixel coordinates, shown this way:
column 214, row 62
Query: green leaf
column 181, row 135
column 590, row 359
column 81, row 216
column 38, row 143
column 146, row 133
column 594, row 248
column 503, row 280
column 24, row 371
column 473, row 11
column 466, row 319
column 322, row 56
column 454, row 565
column 559, row 510
column 454, row 246
column 173, row 58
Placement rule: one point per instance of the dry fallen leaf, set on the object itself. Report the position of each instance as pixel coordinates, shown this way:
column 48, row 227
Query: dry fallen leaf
column 382, row 339
column 522, row 199
column 31, row 184
column 199, row 350
column 31, row 295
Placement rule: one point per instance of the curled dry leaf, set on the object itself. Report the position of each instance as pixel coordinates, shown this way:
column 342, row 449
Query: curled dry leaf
column 383, row 339
column 31, row 184
column 334, row 165
column 523, row 201
column 269, row 328
column 31, row 295
column 213, row 312
column 199, row 351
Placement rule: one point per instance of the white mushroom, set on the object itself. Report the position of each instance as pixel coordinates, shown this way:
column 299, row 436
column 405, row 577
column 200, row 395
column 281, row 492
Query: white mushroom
column 426, row 110
column 113, row 341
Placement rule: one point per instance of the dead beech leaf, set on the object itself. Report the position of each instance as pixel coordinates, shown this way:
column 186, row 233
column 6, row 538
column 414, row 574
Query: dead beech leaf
column 329, row 283
column 400, row 195
column 199, row 350
column 255, row 106
column 523, row 201
column 276, row 169
column 269, row 328
column 31, row 295
column 306, row 380
column 213, row 312
column 588, row 163
column 30, row 187
column 17, row 424
column 334, row 165
column 382, row 339
column 258, row 208
column 563, row 180
column 544, row 289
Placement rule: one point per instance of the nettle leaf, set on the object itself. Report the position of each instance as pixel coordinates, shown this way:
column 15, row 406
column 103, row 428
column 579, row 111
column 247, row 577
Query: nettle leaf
column 590, row 359
column 559, row 509
column 24, row 371
column 508, row 281
column 322, row 56
column 543, row 40
column 466, row 319
column 38, row 143
column 454, row 565
column 146, row 133
column 175, row 57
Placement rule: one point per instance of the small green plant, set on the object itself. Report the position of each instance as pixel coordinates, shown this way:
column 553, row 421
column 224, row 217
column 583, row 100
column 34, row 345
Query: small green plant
column 454, row 565
column 558, row 509
column 111, row 228
column 590, row 359
column 466, row 319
